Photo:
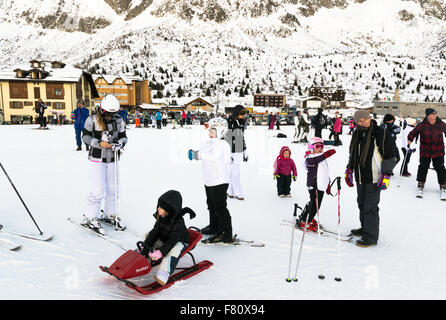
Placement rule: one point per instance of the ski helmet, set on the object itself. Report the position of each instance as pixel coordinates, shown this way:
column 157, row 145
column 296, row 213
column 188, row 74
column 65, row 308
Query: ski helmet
column 109, row 104
column 220, row 125
column 315, row 141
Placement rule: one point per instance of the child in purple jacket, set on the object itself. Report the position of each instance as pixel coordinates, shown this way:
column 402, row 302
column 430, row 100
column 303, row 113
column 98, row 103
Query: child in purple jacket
column 283, row 167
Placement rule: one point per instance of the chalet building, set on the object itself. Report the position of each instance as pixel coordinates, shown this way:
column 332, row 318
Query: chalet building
column 57, row 84
column 269, row 100
column 131, row 91
column 312, row 102
column 408, row 109
column 330, row 94
column 198, row 104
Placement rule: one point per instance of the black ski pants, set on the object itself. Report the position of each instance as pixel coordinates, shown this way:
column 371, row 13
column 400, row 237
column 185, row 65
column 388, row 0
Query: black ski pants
column 438, row 164
column 318, row 131
column 312, row 206
column 406, row 161
column 219, row 216
column 368, row 201
column 283, row 184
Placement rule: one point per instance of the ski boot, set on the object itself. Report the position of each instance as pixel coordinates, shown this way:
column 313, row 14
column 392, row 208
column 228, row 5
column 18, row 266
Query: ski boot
column 208, row 230
column 219, row 238
column 443, row 192
column 364, row 243
column 420, row 189
column 357, row 232
column 112, row 221
column 93, row 224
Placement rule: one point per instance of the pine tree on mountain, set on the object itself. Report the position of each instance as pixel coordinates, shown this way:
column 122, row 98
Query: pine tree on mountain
column 208, row 92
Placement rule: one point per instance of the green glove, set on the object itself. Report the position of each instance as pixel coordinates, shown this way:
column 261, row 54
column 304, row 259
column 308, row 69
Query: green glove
column 276, row 176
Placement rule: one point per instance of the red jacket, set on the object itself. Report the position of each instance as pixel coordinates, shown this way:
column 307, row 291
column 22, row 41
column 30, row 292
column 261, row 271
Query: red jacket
column 431, row 138
column 284, row 166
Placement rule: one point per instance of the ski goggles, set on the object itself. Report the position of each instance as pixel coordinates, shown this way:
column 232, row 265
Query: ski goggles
column 107, row 113
column 316, row 146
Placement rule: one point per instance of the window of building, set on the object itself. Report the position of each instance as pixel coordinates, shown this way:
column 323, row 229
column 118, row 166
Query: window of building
column 16, row 104
column 18, row 90
column 59, row 105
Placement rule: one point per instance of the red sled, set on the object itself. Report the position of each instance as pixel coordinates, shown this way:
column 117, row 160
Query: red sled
column 132, row 264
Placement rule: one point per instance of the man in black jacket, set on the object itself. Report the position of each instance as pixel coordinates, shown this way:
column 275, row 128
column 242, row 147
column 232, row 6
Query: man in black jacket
column 372, row 159
column 320, row 122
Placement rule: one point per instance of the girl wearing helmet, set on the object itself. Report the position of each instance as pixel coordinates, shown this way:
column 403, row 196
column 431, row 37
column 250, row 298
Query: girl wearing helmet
column 318, row 181
column 105, row 133
column 215, row 155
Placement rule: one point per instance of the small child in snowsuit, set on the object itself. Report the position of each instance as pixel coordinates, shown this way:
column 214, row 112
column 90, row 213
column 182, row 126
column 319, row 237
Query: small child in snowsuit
column 283, row 167
column 318, row 181
column 169, row 237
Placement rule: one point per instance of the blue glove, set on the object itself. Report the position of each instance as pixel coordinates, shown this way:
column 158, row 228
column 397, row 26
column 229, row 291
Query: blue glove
column 192, row 154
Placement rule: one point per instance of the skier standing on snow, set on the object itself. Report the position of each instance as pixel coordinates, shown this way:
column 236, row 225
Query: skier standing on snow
column 298, row 126
column 389, row 125
column 431, row 131
column 372, row 160
column 284, row 166
column 407, row 152
column 40, row 109
column 306, row 122
column 169, row 236
column 320, row 122
column 317, row 170
column 351, row 125
column 337, row 130
column 215, row 155
column 235, row 138
column 105, row 133
column 81, row 115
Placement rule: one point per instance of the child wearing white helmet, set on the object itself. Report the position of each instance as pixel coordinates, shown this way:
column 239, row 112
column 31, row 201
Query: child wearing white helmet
column 215, row 154
column 318, row 181
column 105, row 133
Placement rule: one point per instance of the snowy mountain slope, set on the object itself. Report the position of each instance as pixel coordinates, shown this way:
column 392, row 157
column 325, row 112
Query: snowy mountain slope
column 407, row 263
column 268, row 45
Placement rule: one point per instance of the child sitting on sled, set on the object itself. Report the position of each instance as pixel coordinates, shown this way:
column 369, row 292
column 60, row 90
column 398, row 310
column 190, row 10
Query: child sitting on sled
column 318, row 181
column 169, row 237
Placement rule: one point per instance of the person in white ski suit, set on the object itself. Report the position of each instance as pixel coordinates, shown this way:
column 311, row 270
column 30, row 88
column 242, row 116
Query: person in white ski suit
column 105, row 133
column 215, row 155
column 236, row 140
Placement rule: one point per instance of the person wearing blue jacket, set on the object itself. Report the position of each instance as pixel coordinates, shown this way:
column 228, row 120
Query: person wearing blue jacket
column 124, row 115
column 158, row 118
column 81, row 114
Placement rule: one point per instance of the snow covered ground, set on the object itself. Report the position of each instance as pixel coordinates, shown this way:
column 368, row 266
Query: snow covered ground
column 52, row 177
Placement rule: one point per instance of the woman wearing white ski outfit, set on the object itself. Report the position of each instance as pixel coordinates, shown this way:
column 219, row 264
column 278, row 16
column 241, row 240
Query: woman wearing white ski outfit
column 105, row 133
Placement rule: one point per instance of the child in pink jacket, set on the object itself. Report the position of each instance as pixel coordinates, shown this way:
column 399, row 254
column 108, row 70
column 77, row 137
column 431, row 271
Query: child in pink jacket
column 284, row 170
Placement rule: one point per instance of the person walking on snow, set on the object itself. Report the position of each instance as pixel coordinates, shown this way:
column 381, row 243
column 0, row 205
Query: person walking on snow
column 284, row 171
column 215, row 156
column 169, row 236
column 371, row 160
column 105, row 133
column 305, row 122
column 389, row 125
column 320, row 122
column 297, row 126
column 407, row 152
column 337, row 130
column 81, row 115
column 318, row 182
column 431, row 131
column 235, row 138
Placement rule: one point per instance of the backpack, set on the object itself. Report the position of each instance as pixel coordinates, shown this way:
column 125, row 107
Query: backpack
column 322, row 120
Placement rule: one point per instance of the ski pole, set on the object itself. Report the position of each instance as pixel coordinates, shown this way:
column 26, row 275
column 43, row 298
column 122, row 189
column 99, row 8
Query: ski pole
column 301, row 246
column 293, row 228
column 23, row 202
column 321, row 276
column 116, row 190
column 338, row 278
column 402, row 168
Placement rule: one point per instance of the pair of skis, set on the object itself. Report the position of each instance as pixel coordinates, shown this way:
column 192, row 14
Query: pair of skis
column 236, row 242
column 13, row 246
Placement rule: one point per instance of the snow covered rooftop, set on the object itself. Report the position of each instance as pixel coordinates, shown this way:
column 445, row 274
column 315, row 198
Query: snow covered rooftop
column 66, row 74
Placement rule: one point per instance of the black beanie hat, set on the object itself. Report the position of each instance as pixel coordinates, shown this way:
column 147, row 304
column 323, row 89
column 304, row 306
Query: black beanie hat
column 238, row 109
column 430, row 111
column 389, row 117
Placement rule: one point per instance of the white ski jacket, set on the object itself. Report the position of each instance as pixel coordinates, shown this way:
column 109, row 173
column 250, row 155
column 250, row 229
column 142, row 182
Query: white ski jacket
column 216, row 157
